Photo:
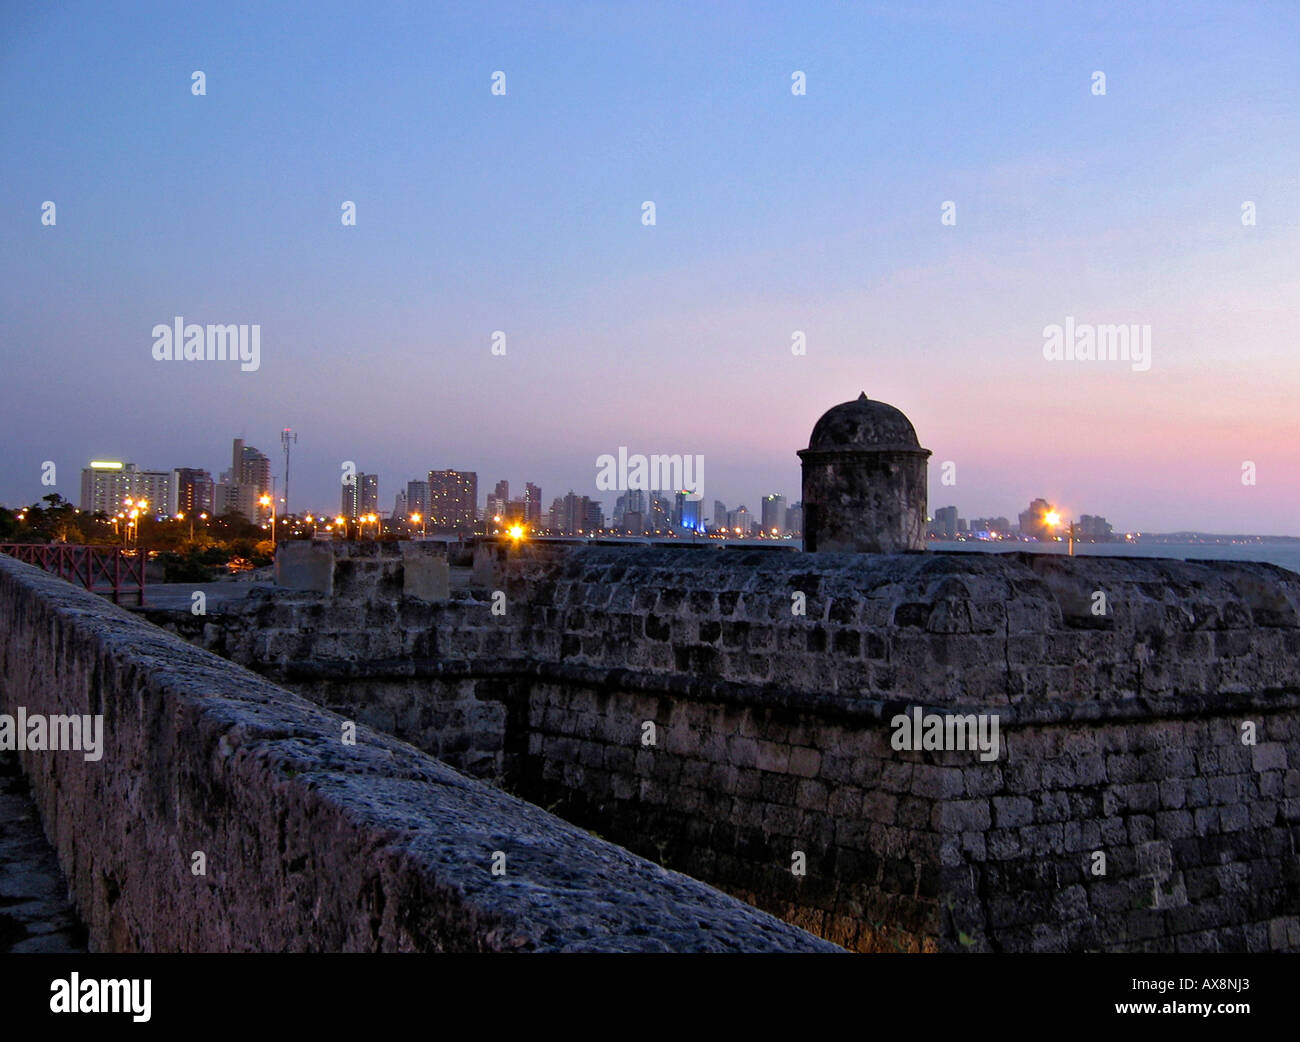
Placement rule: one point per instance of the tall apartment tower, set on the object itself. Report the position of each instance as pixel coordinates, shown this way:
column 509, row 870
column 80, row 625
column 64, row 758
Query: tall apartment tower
column 453, row 499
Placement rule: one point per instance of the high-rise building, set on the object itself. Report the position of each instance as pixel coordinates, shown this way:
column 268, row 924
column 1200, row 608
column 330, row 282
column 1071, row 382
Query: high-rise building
column 774, row 521
column 1094, row 529
column 988, row 526
column 1033, row 522
column 738, row 521
column 497, row 503
column 251, row 471
column 107, row 484
column 572, row 516
column 555, row 518
column 158, row 489
column 368, row 493
column 194, row 491
column 692, row 514
column 240, row 489
column 593, row 515
column 400, row 512
column 417, row 497
column 661, row 513
column 350, row 502
column 633, row 501
column 794, row 519
column 532, row 504
column 944, row 525
column 719, row 514
column 453, row 499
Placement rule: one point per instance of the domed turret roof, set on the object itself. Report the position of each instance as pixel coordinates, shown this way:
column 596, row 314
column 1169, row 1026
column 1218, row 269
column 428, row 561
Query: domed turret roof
column 864, row 424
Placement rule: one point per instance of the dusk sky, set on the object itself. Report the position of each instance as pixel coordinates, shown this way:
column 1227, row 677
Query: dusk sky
column 775, row 213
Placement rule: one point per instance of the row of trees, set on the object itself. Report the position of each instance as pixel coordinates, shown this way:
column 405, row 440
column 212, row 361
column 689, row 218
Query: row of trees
column 189, row 550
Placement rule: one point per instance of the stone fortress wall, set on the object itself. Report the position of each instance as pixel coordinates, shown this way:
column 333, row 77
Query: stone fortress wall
column 307, row 843
column 1162, row 735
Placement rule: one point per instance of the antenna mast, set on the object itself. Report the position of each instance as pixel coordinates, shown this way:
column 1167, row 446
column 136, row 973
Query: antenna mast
column 287, row 439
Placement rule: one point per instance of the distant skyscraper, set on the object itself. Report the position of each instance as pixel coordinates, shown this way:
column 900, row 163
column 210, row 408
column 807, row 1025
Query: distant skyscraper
column 194, row 491
column 350, row 503
column 107, row 484
column 555, row 518
column 400, row 511
column 990, row 525
column 739, row 521
column 719, row 514
column 498, row 502
column 532, row 504
column 245, row 483
column 1032, row 521
column 1094, row 528
column 634, row 501
column 593, row 515
column 660, row 514
column 572, row 520
column 692, row 514
column 944, row 525
column 774, row 515
column 453, row 499
column 368, row 490
column 794, row 519
column 417, row 497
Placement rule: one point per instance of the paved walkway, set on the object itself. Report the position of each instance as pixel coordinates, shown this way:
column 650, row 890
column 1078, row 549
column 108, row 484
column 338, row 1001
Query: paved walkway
column 35, row 915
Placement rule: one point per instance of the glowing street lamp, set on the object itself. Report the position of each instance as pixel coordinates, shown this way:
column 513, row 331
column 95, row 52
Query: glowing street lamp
column 418, row 519
column 1053, row 519
column 267, row 501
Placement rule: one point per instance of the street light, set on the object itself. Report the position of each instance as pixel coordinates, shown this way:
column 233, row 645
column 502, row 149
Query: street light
column 1052, row 519
column 267, row 501
column 418, row 519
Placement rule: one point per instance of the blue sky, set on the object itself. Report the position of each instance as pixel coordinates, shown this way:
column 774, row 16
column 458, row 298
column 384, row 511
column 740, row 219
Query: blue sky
column 775, row 213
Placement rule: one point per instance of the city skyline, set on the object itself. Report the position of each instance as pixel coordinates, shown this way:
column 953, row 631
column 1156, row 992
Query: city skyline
column 371, row 490
column 522, row 318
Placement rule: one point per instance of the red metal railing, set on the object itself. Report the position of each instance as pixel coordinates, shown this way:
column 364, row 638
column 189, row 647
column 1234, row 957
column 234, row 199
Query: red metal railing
column 100, row 569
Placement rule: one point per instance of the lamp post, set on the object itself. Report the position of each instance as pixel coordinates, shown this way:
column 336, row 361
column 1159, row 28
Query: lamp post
column 1053, row 520
column 267, row 501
